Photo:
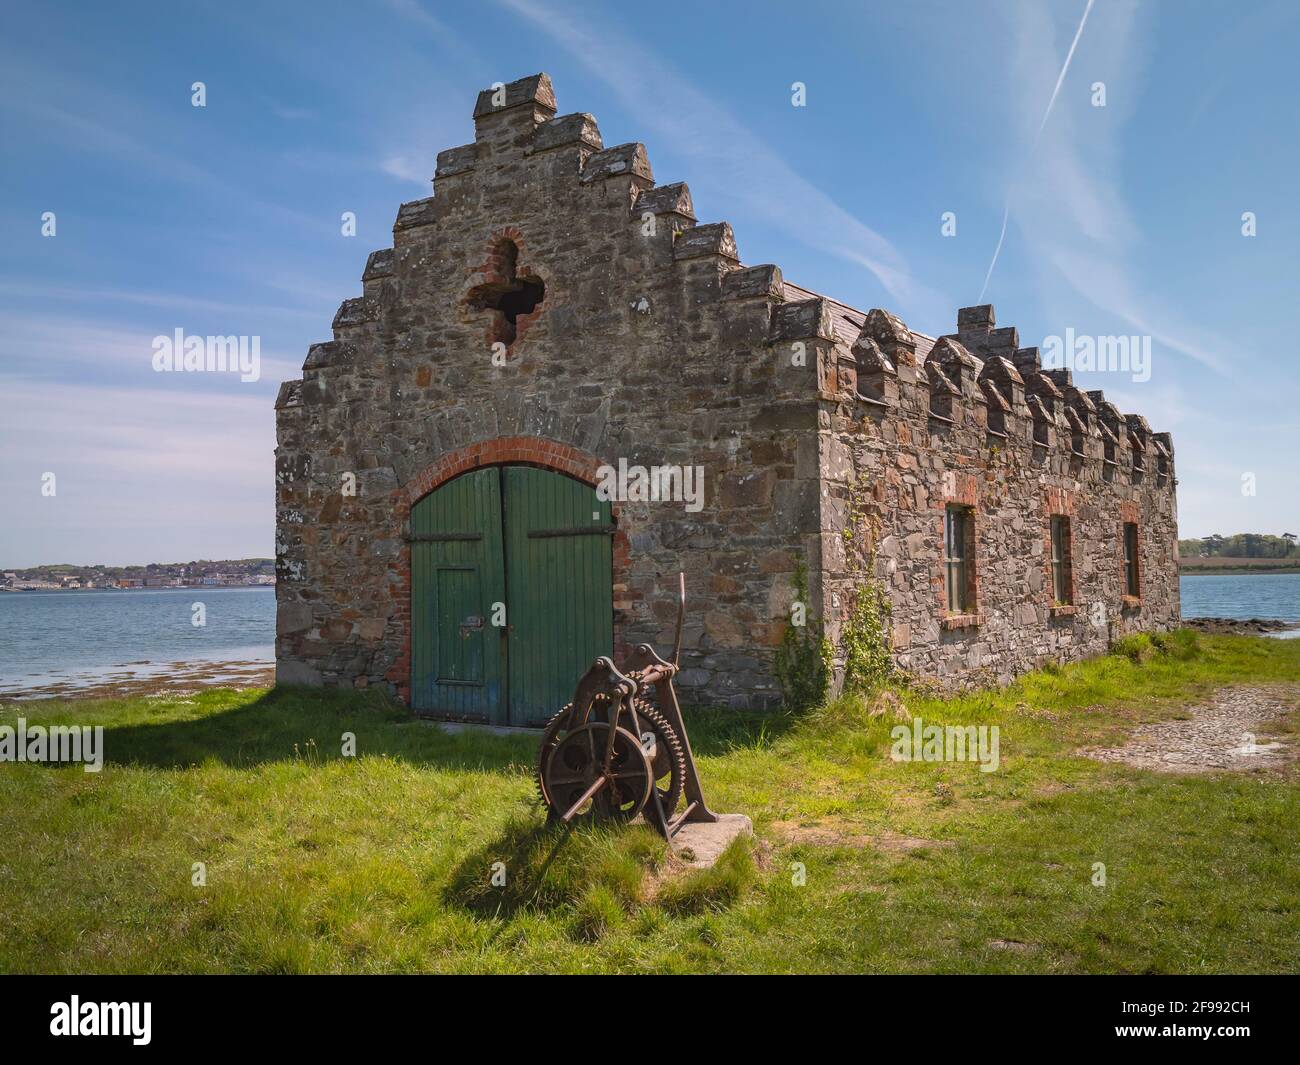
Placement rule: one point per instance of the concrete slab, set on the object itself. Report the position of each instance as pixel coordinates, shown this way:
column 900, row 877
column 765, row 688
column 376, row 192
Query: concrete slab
column 454, row 727
column 699, row 844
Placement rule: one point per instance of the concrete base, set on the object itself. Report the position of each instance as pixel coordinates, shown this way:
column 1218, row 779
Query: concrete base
column 453, row 727
column 699, row 843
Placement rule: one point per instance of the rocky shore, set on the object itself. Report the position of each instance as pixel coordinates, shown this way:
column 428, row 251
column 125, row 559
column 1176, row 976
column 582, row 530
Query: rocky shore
column 1240, row 626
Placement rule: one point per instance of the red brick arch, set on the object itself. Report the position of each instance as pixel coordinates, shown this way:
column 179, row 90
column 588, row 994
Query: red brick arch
column 526, row 450
column 501, row 451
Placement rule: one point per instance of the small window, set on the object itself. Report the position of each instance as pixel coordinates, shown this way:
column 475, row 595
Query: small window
column 1131, row 584
column 957, row 559
column 1061, row 582
column 510, row 296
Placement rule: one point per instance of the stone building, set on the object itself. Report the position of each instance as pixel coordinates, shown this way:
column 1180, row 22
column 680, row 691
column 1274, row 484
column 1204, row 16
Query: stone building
column 549, row 325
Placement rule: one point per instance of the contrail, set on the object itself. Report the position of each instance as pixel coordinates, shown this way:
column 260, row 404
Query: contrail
column 1047, row 113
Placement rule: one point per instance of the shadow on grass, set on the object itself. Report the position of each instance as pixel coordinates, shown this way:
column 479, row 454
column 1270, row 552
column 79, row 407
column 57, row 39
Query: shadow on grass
column 287, row 724
column 594, row 874
column 517, row 860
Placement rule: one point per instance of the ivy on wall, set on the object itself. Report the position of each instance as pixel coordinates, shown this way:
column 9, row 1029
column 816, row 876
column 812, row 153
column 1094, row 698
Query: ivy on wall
column 865, row 636
column 803, row 660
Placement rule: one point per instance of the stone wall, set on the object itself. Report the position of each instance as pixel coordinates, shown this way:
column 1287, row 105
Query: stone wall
column 981, row 425
column 652, row 344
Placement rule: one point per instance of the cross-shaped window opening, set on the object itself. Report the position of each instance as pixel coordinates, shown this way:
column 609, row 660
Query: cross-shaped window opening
column 510, row 297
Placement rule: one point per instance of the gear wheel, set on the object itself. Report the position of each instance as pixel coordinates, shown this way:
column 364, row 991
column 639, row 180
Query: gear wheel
column 669, row 757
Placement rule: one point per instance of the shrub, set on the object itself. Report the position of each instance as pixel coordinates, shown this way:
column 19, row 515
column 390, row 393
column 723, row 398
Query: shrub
column 1181, row 644
column 868, row 661
column 803, row 660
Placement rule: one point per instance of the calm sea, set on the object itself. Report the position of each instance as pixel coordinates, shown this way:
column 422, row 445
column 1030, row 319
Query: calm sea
column 1242, row 595
column 81, row 637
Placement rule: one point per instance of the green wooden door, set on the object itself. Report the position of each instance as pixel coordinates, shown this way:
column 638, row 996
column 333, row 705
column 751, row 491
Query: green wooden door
column 534, row 541
column 559, row 579
column 457, row 574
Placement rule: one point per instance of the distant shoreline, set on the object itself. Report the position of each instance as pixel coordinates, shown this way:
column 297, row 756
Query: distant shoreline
column 1199, row 567
column 150, row 588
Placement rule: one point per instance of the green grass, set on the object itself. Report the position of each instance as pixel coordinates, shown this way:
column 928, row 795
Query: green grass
column 384, row 862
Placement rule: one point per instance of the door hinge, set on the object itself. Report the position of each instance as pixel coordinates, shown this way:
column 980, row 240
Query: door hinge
column 582, row 530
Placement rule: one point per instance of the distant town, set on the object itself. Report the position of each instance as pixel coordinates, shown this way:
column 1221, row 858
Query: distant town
column 236, row 573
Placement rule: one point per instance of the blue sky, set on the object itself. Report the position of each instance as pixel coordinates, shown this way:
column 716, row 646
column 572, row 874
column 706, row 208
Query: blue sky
column 1123, row 219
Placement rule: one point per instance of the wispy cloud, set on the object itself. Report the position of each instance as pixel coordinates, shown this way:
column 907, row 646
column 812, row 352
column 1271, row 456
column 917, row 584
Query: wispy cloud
column 732, row 164
column 43, row 349
column 141, row 474
column 417, row 170
column 294, row 114
column 1047, row 113
column 1068, row 206
column 124, row 130
column 172, row 300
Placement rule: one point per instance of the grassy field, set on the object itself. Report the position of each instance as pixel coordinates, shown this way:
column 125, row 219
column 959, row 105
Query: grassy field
column 382, row 862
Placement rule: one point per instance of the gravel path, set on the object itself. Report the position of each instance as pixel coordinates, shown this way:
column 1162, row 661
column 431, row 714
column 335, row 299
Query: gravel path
column 1224, row 733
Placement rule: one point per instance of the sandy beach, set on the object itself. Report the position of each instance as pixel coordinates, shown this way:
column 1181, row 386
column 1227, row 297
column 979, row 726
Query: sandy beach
column 146, row 678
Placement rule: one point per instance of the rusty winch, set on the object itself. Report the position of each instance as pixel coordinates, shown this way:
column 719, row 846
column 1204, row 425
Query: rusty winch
column 620, row 748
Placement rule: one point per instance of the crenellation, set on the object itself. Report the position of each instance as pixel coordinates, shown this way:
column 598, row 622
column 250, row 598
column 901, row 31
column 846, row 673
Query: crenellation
column 1042, row 412
column 579, row 128
column 623, row 160
column 1079, row 433
column 802, row 320
column 289, row 395
column 959, row 365
column 379, row 265
column 716, row 238
column 999, row 408
column 674, row 200
column 328, row 353
column 414, row 214
column 453, row 161
column 506, row 118
column 945, row 396
column 754, row 282
column 869, row 373
column 894, row 338
column 353, row 314
column 534, row 92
